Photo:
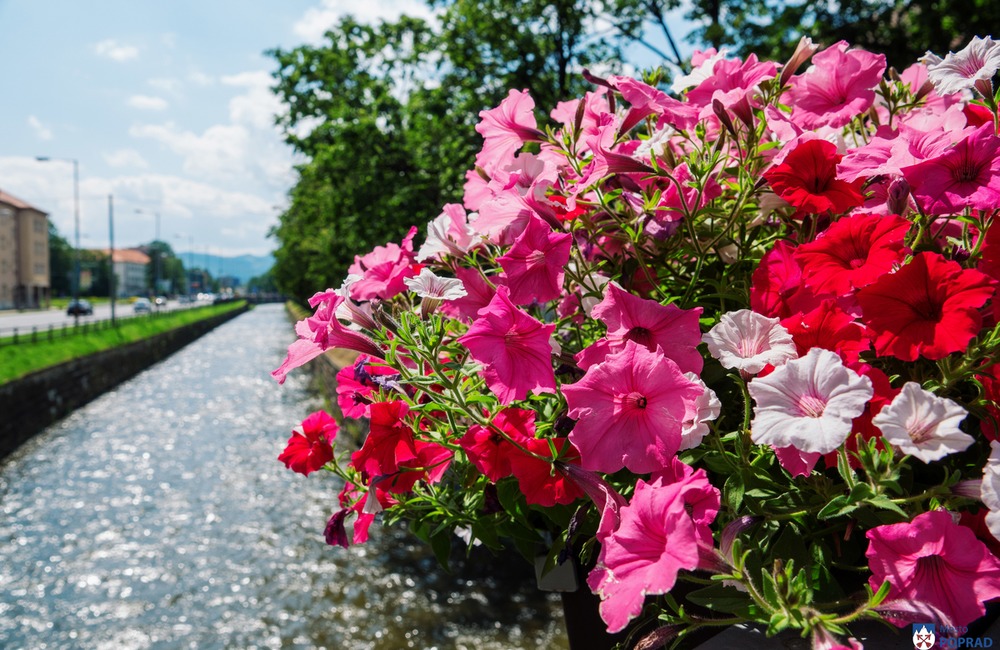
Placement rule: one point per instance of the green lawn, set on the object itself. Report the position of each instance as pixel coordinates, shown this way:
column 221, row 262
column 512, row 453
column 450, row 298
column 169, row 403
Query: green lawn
column 27, row 357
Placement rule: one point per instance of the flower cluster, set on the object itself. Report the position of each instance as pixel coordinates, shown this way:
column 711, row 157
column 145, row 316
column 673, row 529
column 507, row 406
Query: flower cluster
column 740, row 336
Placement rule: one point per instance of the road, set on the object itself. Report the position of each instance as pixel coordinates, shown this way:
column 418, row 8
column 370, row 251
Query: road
column 42, row 319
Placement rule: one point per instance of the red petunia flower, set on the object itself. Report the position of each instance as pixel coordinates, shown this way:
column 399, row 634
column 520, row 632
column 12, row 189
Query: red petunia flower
column 853, row 252
column 311, row 444
column 389, row 443
column 927, row 308
column 828, row 327
column 489, row 450
column 807, row 179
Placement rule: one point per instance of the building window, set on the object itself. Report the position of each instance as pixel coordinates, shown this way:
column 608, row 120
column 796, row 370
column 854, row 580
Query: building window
column 39, row 269
column 40, row 224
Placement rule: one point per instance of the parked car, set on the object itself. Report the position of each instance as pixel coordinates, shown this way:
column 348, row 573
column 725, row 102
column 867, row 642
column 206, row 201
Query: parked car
column 79, row 308
column 161, row 301
column 142, row 306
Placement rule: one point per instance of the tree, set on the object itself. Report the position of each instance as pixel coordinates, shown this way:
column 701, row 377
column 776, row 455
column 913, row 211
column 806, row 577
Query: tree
column 901, row 29
column 60, row 263
column 164, row 265
column 384, row 116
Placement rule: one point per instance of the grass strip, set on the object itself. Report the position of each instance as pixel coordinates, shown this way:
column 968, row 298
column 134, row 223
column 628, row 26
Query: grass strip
column 27, row 357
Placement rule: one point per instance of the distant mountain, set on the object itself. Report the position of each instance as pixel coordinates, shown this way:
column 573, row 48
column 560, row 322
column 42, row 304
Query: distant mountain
column 243, row 267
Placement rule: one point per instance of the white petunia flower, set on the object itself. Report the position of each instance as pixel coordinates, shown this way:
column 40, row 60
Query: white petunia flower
column 808, row 403
column 748, row 341
column 432, row 289
column 923, row 425
column 448, row 234
column 958, row 71
column 698, row 413
column 990, row 489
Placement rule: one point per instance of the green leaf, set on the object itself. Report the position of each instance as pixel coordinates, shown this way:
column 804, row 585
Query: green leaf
column 720, row 598
column 733, row 490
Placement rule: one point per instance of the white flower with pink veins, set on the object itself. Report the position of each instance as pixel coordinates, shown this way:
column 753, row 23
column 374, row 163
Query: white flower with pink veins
column 808, row 403
column 919, row 423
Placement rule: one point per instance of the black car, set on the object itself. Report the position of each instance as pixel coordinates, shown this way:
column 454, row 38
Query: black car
column 79, row 308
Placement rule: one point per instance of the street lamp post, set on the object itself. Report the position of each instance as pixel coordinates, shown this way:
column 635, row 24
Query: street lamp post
column 76, row 226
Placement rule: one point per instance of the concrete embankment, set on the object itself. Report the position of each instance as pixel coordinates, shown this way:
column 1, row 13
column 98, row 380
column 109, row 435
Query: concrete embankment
column 33, row 402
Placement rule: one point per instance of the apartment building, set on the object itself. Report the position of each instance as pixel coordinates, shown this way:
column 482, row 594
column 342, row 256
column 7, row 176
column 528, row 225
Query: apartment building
column 130, row 272
column 24, row 255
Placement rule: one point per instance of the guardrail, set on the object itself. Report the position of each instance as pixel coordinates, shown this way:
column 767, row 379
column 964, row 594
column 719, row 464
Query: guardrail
column 53, row 331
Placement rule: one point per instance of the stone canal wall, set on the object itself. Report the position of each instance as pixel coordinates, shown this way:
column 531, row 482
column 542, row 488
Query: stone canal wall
column 30, row 404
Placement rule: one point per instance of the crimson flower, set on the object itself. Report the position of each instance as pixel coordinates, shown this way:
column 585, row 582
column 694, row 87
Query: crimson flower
column 536, row 475
column 934, row 561
column 513, row 347
column 807, row 179
column 927, row 308
column 853, row 252
column 828, row 327
column 311, row 444
column 489, row 450
column 390, row 441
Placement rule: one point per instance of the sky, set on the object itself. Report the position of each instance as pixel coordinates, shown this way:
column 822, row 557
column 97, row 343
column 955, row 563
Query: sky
column 164, row 105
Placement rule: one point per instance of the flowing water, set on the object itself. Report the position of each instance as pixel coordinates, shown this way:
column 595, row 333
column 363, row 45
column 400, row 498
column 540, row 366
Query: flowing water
column 158, row 517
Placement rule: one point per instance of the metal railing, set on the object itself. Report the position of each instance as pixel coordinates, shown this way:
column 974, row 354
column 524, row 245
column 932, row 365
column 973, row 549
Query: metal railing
column 53, row 331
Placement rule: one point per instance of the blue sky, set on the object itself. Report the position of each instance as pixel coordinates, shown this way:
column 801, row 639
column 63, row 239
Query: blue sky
column 164, row 104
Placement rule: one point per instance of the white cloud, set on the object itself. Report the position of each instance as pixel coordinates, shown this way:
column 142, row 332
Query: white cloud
column 317, row 20
column 169, row 39
column 231, row 222
column 41, row 131
column 245, row 151
column 147, row 103
column 112, row 49
column 165, row 84
column 125, row 158
column 256, row 107
column 200, row 78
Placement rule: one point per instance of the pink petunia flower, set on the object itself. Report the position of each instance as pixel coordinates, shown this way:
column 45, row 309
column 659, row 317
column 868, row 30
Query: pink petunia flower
column 838, row 85
column 383, row 270
column 506, row 128
column 933, row 560
column 808, row 403
column 311, row 444
column 534, row 266
column 777, row 290
column 514, row 348
column 655, row 540
column 965, row 176
column 479, row 293
column 322, row 331
column 974, row 64
column 630, row 410
column 631, row 318
column 921, row 424
column 356, row 384
column 748, row 341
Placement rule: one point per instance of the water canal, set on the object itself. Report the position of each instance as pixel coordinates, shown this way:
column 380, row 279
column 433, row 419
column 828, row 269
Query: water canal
column 158, row 517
